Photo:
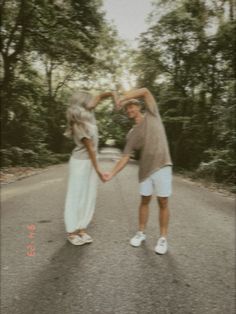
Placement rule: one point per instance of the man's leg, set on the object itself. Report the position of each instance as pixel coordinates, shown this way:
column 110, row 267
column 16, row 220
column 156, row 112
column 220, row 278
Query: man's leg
column 143, row 218
column 162, row 246
column 143, row 212
column 162, row 181
column 164, row 215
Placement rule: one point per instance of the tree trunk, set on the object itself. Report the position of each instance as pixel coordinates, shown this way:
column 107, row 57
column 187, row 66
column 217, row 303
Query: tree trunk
column 231, row 9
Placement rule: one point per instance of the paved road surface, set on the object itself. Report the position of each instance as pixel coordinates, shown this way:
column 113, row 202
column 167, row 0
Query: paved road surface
column 109, row 276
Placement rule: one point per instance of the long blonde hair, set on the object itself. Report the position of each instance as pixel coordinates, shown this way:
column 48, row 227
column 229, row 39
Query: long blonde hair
column 79, row 119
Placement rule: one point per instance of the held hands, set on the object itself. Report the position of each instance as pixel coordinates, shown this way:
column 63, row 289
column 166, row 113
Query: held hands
column 101, row 177
column 107, row 176
column 104, row 177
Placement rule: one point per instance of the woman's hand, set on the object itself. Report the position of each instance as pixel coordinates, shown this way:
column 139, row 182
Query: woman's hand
column 107, row 176
column 101, row 176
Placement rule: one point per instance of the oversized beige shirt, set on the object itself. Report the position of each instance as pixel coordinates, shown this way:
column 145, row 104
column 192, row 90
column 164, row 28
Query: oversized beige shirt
column 149, row 137
column 80, row 151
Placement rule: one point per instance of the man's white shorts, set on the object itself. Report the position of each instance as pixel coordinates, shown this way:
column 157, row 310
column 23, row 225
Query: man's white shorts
column 158, row 183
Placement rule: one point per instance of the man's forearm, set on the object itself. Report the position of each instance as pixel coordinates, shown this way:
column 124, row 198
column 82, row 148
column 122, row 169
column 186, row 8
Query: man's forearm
column 136, row 93
column 120, row 165
column 144, row 93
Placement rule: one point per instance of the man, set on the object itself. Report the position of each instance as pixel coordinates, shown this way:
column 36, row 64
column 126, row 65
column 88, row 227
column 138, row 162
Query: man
column 155, row 166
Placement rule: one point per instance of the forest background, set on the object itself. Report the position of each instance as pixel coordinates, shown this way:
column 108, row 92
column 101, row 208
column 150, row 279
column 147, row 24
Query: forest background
column 186, row 58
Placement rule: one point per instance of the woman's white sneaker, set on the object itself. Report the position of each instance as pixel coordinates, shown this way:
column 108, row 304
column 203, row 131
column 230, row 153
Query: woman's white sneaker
column 86, row 238
column 138, row 239
column 75, row 239
column 162, row 246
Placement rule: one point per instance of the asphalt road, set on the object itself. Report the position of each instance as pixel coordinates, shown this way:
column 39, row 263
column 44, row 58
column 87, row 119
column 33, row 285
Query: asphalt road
column 109, row 276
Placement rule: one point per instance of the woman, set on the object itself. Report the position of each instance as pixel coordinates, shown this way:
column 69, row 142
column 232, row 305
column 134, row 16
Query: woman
column 83, row 166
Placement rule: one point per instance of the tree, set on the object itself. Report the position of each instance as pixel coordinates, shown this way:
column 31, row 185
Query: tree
column 192, row 74
column 59, row 36
column 44, row 46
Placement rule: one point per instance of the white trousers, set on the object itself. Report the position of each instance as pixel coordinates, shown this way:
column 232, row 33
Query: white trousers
column 81, row 194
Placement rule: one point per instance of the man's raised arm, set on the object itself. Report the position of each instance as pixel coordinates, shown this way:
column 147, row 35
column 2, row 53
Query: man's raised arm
column 139, row 93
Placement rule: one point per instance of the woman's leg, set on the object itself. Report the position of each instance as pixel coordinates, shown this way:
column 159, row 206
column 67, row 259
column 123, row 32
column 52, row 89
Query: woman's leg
column 88, row 199
column 76, row 191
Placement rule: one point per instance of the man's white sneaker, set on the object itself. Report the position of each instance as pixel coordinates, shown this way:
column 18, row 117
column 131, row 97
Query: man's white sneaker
column 138, row 239
column 162, row 246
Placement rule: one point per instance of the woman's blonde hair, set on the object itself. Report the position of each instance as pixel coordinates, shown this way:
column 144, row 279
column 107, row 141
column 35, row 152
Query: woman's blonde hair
column 79, row 119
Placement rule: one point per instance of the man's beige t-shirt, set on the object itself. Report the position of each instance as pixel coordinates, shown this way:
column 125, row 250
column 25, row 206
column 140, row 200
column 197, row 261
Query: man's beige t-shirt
column 149, row 137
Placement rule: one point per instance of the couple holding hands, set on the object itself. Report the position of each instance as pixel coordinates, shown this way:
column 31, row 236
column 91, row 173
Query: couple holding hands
column 155, row 165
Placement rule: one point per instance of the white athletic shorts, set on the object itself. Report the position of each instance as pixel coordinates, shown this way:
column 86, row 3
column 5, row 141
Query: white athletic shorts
column 158, row 183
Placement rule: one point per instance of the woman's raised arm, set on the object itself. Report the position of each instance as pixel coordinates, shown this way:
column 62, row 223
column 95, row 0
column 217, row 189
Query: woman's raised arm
column 98, row 98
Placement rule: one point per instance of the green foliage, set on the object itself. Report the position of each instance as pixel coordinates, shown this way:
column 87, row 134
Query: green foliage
column 112, row 125
column 14, row 156
column 192, row 75
column 220, row 166
column 45, row 45
column 48, row 45
column 24, row 125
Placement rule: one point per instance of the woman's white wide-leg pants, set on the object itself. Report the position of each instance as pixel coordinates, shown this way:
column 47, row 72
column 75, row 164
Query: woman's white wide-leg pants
column 81, row 194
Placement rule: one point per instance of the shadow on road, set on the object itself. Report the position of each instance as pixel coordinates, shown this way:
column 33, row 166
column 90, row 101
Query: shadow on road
column 47, row 290
column 70, row 284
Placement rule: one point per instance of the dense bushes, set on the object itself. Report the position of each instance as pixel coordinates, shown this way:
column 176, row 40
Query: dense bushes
column 44, row 46
column 192, row 71
column 14, row 156
column 220, row 167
